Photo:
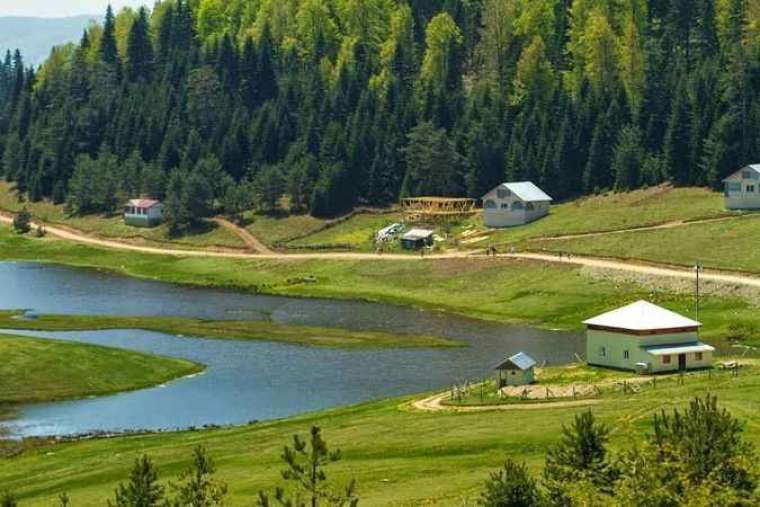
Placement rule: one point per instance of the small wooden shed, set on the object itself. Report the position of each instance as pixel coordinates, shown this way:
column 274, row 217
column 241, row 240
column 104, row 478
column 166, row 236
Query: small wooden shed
column 417, row 239
column 517, row 370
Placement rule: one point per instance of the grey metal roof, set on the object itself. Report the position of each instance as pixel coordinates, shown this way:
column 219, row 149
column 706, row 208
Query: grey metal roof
column 752, row 167
column 521, row 360
column 527, row 191
column 416, row 234
column 682, row 348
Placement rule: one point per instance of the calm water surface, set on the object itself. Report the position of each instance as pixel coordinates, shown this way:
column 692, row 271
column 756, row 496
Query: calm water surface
column 248, row 380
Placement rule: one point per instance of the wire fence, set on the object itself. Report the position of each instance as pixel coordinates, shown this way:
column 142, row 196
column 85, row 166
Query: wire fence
column 488, row 390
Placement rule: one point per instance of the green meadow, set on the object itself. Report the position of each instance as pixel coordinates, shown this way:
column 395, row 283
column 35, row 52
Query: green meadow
column 35, row 370
column 223, row 329
column 400, row 456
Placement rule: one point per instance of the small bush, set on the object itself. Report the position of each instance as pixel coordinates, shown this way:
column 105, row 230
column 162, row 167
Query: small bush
column 22, row 223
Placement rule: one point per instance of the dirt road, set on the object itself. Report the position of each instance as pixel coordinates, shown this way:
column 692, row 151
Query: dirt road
column 658, row 227
column 245, row 236
column 435, row 404
column 593, row 262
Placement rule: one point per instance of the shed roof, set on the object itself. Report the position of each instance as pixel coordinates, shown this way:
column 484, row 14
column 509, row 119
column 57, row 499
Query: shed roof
column 143, row 203
column 642, row 316
column 666, row 350
column 417, row 234
column 526, row 191
column 751, row 167
column 520, row 361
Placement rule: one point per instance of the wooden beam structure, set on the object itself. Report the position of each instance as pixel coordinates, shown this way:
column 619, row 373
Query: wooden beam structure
column 436, row 209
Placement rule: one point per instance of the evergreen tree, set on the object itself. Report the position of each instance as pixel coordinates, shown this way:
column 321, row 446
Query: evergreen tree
column 306, row 462
column 197, row 487
column 580, row 456
column 512, row 486
column 109, row 53
column 142, row 490
column 628, row 158
column 434, row 167
column 139, row 62
column 677, row 147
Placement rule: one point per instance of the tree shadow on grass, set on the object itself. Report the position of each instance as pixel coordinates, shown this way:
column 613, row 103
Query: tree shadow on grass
column 196, row 229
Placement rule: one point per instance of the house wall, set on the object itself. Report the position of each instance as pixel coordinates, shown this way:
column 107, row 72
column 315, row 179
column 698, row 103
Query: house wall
column 605, row 348
column 501, row 208
column 153, row 217
column 517, row 377
column 692, row 363
column 742, row 190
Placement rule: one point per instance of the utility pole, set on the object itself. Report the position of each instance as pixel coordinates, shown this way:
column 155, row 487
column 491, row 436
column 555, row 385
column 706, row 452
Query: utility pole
column 697, row 269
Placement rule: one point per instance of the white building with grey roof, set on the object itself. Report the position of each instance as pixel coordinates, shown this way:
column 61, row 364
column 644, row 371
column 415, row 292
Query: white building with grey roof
column 742, row 189
column 645, row 337
column 512, row 204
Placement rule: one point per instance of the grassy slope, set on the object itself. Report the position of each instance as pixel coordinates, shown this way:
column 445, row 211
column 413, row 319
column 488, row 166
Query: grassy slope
column 399, row 456
column 44, row 370
column 356, row 233
column 613, row 211
column 245, row 330
column 730, row 244
column 113, row 227
column 523, row 292
column 275, row 229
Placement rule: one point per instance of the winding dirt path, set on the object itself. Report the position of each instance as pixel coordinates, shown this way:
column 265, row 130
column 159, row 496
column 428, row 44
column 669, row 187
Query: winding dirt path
column 661, row 270
column 251, row 241
column 666, row 225
column 435, row 404
column 658, row 270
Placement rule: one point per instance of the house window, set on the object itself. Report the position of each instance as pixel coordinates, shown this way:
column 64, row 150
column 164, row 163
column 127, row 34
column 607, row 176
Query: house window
column 747, row 175
column 733, row 187
column 512, row 372
column 490, row 204
column 505, row 205
column 750, row 189
column 665, row 359
column 626, row 354
column 602, row 351
column 698, row 356
column 517, row 205
column 502, row 193
column 529, row 206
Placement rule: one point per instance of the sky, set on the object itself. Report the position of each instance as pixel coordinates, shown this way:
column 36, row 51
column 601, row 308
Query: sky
column 62, row 8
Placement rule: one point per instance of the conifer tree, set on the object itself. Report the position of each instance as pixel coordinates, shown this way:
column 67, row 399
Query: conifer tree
column 139, row 63
column 142, row 490
column 109, row 53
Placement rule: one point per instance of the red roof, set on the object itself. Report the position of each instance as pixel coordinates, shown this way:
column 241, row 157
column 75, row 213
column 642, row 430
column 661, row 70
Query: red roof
column 143, row 203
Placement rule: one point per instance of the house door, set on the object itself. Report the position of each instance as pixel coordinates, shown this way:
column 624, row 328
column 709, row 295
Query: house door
column 681, row 362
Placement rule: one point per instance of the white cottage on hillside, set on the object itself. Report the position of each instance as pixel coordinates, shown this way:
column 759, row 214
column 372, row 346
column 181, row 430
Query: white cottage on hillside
column 512, row 204
column 646, row 337
column 742, row 189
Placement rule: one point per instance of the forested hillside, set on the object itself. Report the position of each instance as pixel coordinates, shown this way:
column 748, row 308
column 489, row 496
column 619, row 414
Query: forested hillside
column 335, row 103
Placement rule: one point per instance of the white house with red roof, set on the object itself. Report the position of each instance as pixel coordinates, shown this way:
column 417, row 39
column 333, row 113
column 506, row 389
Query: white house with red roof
column 144, row 212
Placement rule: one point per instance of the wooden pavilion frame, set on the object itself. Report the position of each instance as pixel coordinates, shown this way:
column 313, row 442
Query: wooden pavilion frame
column 436, row 209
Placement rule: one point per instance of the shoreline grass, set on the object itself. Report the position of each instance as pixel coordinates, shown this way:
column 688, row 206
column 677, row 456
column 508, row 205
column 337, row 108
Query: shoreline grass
column 38, row 370
column 400, row 456
column 518, row 292
column 230, row 330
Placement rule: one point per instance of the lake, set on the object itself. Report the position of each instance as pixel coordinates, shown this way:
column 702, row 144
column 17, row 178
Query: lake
column 251, row 380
